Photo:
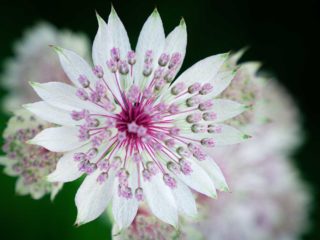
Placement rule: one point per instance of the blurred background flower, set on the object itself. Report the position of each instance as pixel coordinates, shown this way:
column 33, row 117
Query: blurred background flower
column 285, row 44
column 35, row 61
column 29, row 163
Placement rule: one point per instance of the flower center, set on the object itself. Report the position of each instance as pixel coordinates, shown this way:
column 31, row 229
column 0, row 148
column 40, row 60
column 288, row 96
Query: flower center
column 133, row 121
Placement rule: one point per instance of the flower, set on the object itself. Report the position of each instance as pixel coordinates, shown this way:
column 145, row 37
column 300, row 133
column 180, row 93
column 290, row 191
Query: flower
column 34, row 61
column 135, row 133
column 272, row 112
column 30, row 163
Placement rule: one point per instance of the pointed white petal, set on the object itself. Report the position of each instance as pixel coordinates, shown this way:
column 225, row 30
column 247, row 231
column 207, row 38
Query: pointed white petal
column 160, row 200
column 199, row 180
column 104, row 41
column 55, row 190
column 63, row 96
column 51, row 114
column 74, row 66
column 151, row 37
column 67, row 169
column 251, row 67
column 58, row 139
column 92, row 197
column 228, row 135
column 125, row 210
column 100, row 54
column 118, row 34
column 184, row 200
column 176, row 41
column 215, row 173
column 226, row 109
column 202, row 71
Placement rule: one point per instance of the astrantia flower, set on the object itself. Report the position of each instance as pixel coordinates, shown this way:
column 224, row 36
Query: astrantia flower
column 33, row 61
column 272, row 113
column 137, row 134
column 30, row 163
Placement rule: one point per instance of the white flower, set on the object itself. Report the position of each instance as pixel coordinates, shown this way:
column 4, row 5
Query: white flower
column 136, row 134
column 34, row 61
column 30, row 163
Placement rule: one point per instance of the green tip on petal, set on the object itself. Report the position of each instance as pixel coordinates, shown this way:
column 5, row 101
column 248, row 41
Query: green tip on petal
column 182, row 22
column 78, row 223
column 56, row 48
column 33, row 84
column 246, row 136
column 225, row 55
column 155, row 12
column 99, row 18
column 214, row 195
column 226, row 189
column 113, row 11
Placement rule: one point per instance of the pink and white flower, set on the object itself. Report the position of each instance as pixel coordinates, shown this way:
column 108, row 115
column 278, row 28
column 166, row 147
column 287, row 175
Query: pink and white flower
column 31, row 164
column 138, row 135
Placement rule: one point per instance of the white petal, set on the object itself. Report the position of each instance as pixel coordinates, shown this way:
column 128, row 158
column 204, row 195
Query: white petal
column 100, row 54
column 92, row 198
column 118, row 34
column 228, row 135
column 104, row 41
column 67, row 169
column 176, row 41
column 160, row 200
column 215, row 173
column 184, row 200
column 125, row 210
column 199, row 180
column 58, row 139
column 202, row 71
column 74, row 66
column 251, row 67
column 55, row 190
column 226, row 109
column 51, row 114
column 221, row 82
column 63, row 96
column 151, row 37
column 119, row 39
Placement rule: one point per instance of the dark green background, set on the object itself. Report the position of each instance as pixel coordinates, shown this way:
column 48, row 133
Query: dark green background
column 282, row 34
